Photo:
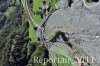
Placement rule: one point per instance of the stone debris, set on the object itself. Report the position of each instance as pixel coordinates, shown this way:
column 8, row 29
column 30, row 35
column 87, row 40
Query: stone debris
column 82, row 20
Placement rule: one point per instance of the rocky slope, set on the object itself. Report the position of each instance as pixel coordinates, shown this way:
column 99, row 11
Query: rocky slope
column 81, row 21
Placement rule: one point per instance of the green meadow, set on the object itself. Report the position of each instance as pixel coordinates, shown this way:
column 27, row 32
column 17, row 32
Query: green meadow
column 37, row 18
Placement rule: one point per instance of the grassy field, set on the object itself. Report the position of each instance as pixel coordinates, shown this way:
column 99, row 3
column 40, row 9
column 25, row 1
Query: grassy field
column 53, row 2
column 37, row 4
column 61, row 52
column 37, row 18
column 32, row 33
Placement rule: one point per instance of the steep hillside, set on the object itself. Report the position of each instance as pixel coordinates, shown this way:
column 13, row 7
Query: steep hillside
column 16, row 48
column 66, row 34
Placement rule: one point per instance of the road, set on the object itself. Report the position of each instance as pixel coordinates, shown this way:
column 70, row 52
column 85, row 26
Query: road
column 40, row 33
column 40, row 29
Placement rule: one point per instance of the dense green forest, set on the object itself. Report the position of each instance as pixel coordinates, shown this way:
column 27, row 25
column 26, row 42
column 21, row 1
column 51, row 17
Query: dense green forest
column 16, row 47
